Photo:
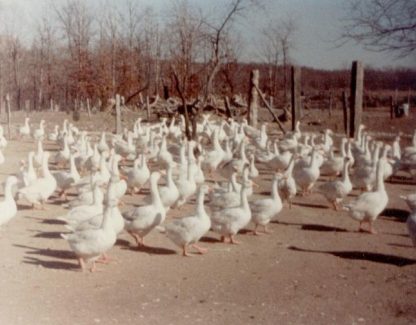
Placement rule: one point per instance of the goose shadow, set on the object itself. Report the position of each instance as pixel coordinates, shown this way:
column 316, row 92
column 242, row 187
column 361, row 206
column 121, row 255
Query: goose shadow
column 47, row 252
column 400, row 245
column 21, row 207
column 57, row 265
column 313, row 227
column 363, row 256
column 207, row 239
column 53, row 222
column 398, row 215
column 151, row 250
column 122, row 242
column 310, row 205
column 48, row 234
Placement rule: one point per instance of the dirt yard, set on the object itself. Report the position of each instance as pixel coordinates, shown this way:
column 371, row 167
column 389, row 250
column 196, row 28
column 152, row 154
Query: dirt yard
column 315, row 268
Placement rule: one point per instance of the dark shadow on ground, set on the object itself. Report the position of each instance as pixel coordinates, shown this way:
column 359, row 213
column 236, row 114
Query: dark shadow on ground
column 399, row 215
column 364, row 256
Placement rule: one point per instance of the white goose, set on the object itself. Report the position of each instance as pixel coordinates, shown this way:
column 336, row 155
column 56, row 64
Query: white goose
column 280, row 160
column 227, row 197
column 89, row 245
column 306, row 175
column 142, row 220
column 213, row 158
column 65, row 179
column 42, row 188
column 119, row 184
column 116, row 219
column 253, row 171
column 186, row 187
column 63, row 155
column 102, row 145
column 87, row 197
column 368, row 206
column 3, row 141
column 337, row 190
column 169, row 193
column 93, row 162
column 8, row 206
column 264, row 210
column 38, row 158
column 189, row 230
column 2, row 158
column 81, row 213
column 411, row 226
column 410, row 199
column 38, row 134
column 364, row 175
column 138, row 175
column 53, row 136
column 333, row 165
column 24, row 131
column 287, row 185
column 229, row 221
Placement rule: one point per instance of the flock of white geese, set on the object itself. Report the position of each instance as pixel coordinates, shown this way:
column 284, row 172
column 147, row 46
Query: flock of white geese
column 101, row 169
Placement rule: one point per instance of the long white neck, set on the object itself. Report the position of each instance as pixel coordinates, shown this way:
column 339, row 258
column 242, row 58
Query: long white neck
column 45, row 169
column 243, row 151
column 30, row 168
column 244, row 199
column 289, row 170
column 95, row 195
column 345, row 174
column 73, row 167
column 343, row 144
column 275, row 191
column 200, row 209
column 154, row 191
column 380, row 181
column 8, row 195
column 169, row 178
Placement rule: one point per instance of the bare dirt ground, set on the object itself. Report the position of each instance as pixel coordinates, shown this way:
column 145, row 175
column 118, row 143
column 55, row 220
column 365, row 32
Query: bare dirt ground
column 313, row 269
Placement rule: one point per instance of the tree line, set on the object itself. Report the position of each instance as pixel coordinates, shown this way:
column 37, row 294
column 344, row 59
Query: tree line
column 78, row 54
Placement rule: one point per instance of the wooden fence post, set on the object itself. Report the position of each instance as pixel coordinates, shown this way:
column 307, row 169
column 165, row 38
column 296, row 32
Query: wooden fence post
column 330, row 103
column 88, row 108
column 8, row 114
column 148, row 108
column 295, row 96
column 252, row 113
column 391, row 107
column 356, row 105
column 345, row 111
column 118, row 115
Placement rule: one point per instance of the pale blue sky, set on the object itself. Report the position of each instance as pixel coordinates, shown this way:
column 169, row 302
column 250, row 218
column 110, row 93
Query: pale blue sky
column 319, row 22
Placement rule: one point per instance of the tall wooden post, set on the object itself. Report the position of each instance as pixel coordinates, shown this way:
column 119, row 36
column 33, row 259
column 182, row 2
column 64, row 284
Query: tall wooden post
column 253, row 98
column 345, row 111
column 8, row 114
column 88, row 108
column 391, row 107
column 330, row 103
column 295, row 98
column 118, row 115
column 148, row 108
column 356, row 104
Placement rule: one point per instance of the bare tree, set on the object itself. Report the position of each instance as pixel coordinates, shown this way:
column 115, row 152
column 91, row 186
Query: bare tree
column 43, row 55
column 76, row 21
column 185, row 29
column 270, row 51
column 382, row 25
column 217, row 36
